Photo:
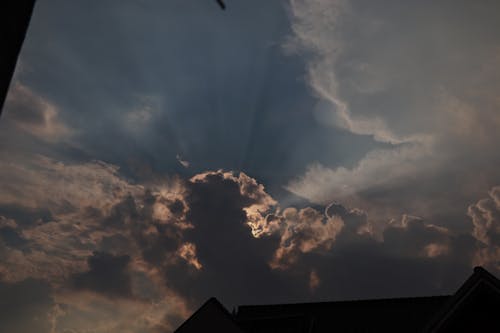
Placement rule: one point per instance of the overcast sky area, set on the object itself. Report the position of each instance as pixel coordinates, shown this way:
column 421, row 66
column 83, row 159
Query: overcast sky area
column 156, row 153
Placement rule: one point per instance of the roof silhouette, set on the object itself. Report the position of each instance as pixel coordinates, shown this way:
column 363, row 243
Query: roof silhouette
column 475, row 305
column 211, row 314
column 473, row 308
column 378, row 315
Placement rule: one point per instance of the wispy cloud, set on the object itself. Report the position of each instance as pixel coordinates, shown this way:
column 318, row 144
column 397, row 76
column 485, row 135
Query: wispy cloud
column 433, row 117
column 182, row 161
column 34, row 114
column 485, row 215
column 379, row 168
column 316, row 26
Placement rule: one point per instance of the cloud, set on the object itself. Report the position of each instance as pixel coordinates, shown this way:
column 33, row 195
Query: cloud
column 183, row 162
column 187, row 251
column 437, row 119
column 140, row 118
column 108, row 274
column 115, row 239
column 422, row 97
column 321, row 30
column 411, row 258
column 314, row 280
column 221, row 206
column 41, row 182
column 304, row 231
column 379, row 168
column 142, row 255
column 34, row 114
column 9, row 235
column 485, row 215
column 91, row 312
column 348, row 44
column 106, row 238
column 316, row 29
column 306, row 240
column 26, row 306
column 5, row 222
column 299, row 230
column 412, row 236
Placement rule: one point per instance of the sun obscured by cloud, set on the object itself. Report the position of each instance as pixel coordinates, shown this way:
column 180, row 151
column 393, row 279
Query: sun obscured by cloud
column 287, row 162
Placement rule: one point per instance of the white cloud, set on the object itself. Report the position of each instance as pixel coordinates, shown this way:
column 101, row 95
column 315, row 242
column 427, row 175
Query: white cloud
column 378, row 168
column 316, row 30
column 436, row 117
column 182, row 161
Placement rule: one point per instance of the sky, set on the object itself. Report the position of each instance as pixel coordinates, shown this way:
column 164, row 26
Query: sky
column 154, row 154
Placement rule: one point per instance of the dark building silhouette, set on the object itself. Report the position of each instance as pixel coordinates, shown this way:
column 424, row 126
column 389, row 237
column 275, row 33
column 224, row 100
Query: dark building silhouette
column 475, row 307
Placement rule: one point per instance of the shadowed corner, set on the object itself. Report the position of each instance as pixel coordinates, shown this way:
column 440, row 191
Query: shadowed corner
column 473, row 308
column 15, row 16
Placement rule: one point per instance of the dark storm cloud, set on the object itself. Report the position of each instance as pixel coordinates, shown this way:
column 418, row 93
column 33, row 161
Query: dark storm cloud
column 234, row 262
column 11, row 237
column 146, row 86
column 108, row 274
column 179, row 241
column 413, row 259
column 26, row 306
column 25, row 216
column 122, row 213
column 157, row 236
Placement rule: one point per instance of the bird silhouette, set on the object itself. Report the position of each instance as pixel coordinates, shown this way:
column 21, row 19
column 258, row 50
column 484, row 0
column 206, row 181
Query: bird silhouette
column 221, row 4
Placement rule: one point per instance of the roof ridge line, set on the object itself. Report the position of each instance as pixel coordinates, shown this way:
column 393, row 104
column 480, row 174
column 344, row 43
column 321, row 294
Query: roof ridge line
column 348, row 301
